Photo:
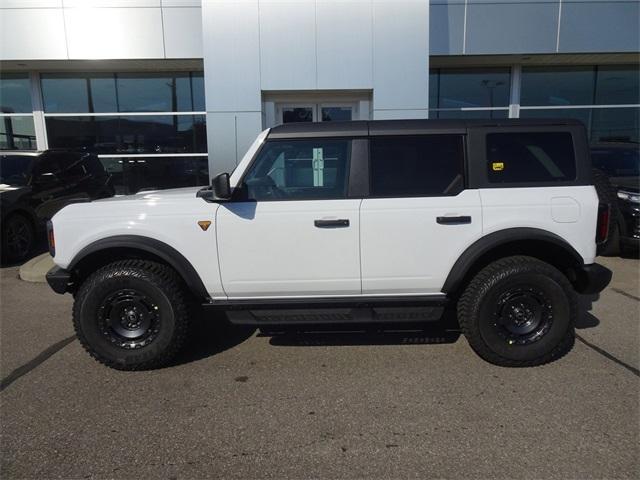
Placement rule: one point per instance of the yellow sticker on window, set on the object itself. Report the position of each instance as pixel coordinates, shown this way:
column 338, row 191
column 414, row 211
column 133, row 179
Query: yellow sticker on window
column 497, row 166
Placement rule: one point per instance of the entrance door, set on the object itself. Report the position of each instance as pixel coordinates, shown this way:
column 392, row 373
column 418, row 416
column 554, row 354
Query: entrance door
column 316, row 112
column 293, row 231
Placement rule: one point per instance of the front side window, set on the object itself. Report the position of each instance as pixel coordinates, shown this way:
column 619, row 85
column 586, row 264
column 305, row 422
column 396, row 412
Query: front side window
column 299, row 170
column 526, row 157
column 425, row 165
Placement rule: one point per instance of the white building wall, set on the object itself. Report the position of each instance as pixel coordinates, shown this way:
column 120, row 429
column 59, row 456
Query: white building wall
column 286, row 46
column 100, row 29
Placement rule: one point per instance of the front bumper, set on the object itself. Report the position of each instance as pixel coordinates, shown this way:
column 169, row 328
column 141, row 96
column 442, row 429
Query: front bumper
column 59, row 280
column 592, row 279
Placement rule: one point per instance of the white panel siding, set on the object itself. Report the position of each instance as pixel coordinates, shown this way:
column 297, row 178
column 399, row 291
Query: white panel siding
column 111, row 3
column 32, row 34
column 221, row 142
column 231, row 55
column 400, row 55
column 344, row 53
column 399, row 114
column 288, row 45
column 30, row 3
column 182, row 32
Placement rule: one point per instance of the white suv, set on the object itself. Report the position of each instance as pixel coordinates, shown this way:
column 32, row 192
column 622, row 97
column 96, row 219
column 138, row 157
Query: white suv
column 340, row 222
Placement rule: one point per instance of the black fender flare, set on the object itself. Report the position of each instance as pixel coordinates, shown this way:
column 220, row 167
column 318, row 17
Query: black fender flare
column 150, row 245
column 502, row 237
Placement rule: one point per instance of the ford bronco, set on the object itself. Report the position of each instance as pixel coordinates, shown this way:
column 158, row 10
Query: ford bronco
column 349, row 222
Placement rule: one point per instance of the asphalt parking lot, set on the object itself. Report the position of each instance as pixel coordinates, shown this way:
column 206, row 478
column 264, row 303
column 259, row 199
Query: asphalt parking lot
column 328, row 405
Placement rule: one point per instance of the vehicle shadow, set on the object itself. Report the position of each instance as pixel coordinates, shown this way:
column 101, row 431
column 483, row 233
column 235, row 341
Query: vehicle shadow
column 211, row 335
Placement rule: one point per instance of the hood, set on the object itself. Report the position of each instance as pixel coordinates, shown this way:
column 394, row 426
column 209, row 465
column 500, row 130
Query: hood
column 630, row 184
column 11, row 193
column 155, row 195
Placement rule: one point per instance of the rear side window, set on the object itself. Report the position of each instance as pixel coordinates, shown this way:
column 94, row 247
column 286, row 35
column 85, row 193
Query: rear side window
column 424, row 165
column 530, row 157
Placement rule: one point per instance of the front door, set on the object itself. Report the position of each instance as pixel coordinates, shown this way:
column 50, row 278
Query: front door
column 292, row 231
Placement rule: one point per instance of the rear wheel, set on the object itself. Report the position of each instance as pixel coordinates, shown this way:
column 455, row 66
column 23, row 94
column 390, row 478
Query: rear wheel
column 18, row 238
column 519, row 311
column 132, row 315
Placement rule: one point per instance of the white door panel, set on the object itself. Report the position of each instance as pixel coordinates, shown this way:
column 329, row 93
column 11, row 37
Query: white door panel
column 274, row 248
column 403, row 247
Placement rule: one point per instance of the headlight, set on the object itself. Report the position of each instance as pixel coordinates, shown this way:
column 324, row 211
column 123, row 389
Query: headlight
column 629, row 196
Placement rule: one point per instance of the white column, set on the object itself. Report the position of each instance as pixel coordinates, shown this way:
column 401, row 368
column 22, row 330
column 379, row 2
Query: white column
column 38, row 111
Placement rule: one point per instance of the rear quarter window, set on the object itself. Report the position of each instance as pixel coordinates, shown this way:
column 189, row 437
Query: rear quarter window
column 530, row 157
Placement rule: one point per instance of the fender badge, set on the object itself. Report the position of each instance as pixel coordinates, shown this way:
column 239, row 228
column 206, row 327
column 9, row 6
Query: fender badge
column 497, row 166
column 204, row 225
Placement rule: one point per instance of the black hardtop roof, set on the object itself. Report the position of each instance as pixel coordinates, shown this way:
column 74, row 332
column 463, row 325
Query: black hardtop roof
column 361, row 128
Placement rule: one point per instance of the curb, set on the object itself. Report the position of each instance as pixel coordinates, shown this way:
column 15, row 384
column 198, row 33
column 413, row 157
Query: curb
column 35, row 269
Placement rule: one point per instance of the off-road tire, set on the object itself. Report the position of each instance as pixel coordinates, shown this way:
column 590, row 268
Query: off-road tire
column 20, row 225
column 156, row 282
column 480, row 300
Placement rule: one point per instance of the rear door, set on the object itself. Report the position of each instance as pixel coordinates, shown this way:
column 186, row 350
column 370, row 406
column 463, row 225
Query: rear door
column 419, row 217
column 293, row 231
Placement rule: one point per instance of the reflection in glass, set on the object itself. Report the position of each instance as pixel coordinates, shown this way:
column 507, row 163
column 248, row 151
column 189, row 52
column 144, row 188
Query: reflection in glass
column 15, row 93
column 133, row 174
column 17, row 133
column 470, row 114
column 297, row 114
column 459, row 88
column 557, row 85
column 130, row 134
column 336, row 114
column 123, row 92
column 603, row 124
column 618, row 85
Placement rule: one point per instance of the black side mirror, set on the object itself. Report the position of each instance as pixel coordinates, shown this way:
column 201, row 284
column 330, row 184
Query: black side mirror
column 221, row 186
column 220, row 189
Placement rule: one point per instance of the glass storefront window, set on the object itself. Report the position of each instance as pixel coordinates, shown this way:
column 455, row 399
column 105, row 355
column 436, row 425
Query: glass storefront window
column 557, row 86
column 132, row 174
column 617, row 85
column 129, row 134
column 603, row 124
column 17, row 133
column 123, row 92
column 15, row 93
column 460, row 88
column 470, row 114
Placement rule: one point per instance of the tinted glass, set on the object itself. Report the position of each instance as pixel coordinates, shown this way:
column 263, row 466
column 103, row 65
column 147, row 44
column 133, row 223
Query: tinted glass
column 457, row 88
column 297, row 114
column 530, row 157
column 557, row 85
column 603, row 124
column 123, row 92
column 426, row 165
column 336, row 114
column 133, row 174
column 617, row 162
column 471, row 114
column 14, row 169
column 618, row 85
column 299, row 170
column 15, row 93
column 129, row 134
column 17, row 133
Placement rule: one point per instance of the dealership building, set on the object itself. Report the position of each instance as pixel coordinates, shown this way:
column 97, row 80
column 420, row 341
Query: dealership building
column 171, row 92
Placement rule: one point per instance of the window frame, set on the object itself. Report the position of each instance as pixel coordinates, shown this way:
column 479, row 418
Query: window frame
column 463, row 171
column 355, row 160
column 478, row 161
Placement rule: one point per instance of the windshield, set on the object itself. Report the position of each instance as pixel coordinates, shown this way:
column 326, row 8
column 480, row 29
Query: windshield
column 14, row 169
column 617, row 162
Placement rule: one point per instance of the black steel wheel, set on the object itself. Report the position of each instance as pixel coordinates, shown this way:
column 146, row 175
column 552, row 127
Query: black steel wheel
column 18, row 238
column 132, row 315
column 519, row 311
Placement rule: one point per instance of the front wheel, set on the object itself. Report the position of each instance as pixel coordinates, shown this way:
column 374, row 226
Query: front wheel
column 18, row 238
column 518, row 312
column 132, row 315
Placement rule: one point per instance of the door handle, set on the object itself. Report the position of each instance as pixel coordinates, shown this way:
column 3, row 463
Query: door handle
column 461, row 220
column 340, row 223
